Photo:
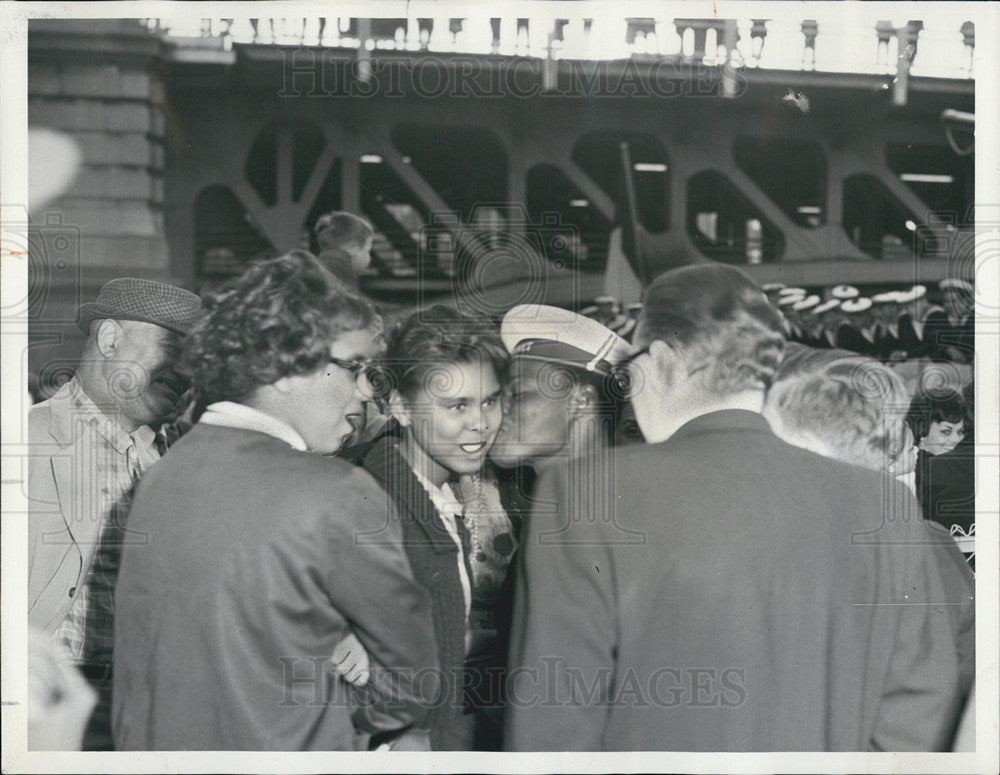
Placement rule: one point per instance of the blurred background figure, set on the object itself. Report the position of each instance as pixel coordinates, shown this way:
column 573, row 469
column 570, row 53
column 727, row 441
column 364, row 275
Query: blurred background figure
column 60, row 700
column 345, row 245
column 857, row 334
column 53, row 163
column 953, row 328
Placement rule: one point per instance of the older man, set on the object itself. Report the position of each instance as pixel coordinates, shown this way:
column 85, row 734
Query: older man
column 777, row 599
column 90, row 443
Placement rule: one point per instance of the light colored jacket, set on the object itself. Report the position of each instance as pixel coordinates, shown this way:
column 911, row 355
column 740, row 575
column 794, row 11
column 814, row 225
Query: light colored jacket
column 75, row 465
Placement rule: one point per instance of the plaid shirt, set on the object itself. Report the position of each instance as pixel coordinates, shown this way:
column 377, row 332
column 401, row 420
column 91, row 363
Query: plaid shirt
column 86, row 634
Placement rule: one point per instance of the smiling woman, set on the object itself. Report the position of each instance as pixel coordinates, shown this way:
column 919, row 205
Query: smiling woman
column 442, row 377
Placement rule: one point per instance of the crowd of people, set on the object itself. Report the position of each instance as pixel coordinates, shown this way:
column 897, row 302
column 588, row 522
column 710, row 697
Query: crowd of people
column 277, row 517
column 890, row 326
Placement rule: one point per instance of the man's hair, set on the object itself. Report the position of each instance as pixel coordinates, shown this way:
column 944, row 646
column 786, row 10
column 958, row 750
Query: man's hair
column 339, row 230
column 721, row 323
column 275, row 320
column 850, row 406
column 943, row 405
column 425, row 340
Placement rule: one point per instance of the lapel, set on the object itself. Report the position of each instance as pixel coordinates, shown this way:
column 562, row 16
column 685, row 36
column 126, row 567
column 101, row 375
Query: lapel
column 389, row 467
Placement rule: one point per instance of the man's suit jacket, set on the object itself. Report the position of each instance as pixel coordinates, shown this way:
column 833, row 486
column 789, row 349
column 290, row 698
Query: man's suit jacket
column 69, row 467
column 260, row 559
column 776, row 601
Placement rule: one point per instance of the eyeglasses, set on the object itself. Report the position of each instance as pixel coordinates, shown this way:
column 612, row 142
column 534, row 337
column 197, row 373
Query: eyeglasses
column 623, row 365
column 622, row 375
column 359, row 368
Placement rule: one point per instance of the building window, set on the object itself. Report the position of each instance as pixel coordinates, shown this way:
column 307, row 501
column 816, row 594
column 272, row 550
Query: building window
column 599, row 155
column 465, row 166
column 875, row 221
column 266, row 161
column 791, row 172
column 327, row 200
column 398, row 216
column 944, row 181
column 225, row 236
column 557, row 208
column 726, row 226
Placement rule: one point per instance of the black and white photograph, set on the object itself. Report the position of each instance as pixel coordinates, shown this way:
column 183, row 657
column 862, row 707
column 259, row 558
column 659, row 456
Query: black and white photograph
column 515, row 386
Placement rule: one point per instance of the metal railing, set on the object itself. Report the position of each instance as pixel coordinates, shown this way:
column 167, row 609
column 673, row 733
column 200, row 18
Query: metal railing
column 833, row 41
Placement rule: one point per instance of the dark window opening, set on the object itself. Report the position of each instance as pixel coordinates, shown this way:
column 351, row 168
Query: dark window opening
column 466, row 167
column 306, row 144
column 791, row 172
column 398, row 217
column 599, row 155
column 225, row 236
column 328, row 199
column 874, row 221
column 572, row 229
column 943, row 180
column 726, row 226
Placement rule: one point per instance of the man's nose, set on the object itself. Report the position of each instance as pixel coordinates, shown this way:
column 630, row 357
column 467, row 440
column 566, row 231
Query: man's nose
column 479, row 420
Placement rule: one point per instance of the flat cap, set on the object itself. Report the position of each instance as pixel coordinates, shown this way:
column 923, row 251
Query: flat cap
column 147, row 301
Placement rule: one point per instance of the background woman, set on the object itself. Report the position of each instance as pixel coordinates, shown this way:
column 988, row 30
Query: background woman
column 442, row 381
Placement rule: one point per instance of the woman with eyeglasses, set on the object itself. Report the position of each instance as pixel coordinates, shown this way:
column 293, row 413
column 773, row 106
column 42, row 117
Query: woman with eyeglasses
column 250, row 571
column 441, row 380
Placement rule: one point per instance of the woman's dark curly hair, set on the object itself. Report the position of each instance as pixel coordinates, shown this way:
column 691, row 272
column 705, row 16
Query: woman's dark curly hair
column 425, row 340
column 929, row 407
column 275, row 320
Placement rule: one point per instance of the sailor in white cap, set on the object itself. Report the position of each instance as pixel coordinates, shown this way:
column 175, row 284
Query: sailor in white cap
column 828, row 317
column 885, row 310
column 560, row 397
column 842, row 292
column 858, row 332
column 952, row 330
column 914, row 311
column 791, row 320
column 805, row 320
column 793, row 291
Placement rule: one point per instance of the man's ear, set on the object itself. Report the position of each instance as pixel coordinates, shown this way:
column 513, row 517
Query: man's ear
column 397, row 409
column 582, row 400
column 110, row 334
